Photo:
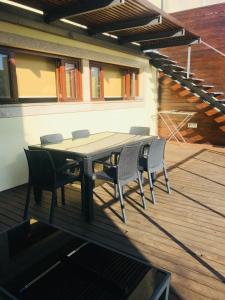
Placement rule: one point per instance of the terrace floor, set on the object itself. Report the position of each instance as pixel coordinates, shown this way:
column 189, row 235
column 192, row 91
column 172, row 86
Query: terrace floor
column 183, row 233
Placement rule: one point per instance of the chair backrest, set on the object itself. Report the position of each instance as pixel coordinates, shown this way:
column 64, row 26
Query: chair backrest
column 77, row 134
column 41, row 168
column 128, row 162
column 156, row 153
column 140, row 130
column 51, row 138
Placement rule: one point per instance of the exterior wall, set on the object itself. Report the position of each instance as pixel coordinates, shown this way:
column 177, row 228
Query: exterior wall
column 23, row 124
column 209, row 23
column 210, row 123
column 171, row 6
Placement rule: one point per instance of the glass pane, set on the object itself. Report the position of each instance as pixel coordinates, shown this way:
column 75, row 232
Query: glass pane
column 70, row 70
column 96, row 83
column 4, row 77
column 113, row 82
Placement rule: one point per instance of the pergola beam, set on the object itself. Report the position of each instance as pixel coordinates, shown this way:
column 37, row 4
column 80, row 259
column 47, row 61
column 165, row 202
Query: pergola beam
column 152, row 36
column 128, row 24
column 79, row 8
column 169, row 42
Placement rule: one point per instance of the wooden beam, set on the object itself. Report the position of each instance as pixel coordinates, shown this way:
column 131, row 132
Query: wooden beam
column 148, row 36
column 169, row 42
column 79, row 7
column 121, row 25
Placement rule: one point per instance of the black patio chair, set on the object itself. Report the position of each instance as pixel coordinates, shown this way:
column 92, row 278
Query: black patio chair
column 77, row 134
column 154, row 162
column 62, row 164
column 125, row 171
column 43, row 175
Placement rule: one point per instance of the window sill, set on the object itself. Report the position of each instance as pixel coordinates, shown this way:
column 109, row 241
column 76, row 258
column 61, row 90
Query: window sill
column 35, row 109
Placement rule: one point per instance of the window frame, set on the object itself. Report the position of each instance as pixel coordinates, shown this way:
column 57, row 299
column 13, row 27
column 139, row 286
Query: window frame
column 12, row 77
column 128, row 71
column 101, row 80
column 61, row 80
column 12, row 52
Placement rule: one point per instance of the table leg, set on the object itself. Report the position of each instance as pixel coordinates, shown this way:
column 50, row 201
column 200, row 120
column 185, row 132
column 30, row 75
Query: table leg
column 37, row 195
column 87, row 189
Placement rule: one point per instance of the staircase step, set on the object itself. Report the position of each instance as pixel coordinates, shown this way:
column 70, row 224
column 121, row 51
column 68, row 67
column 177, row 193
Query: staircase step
column 197, row 80
column 222, row 101
column 184, row 73
column 165, row 60
column 174, row 67
column 154, row 54
column 207, row 86
column 216, row 94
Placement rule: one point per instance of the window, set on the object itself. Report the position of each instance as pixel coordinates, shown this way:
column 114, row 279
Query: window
column 97, row 83
column 8, row 83
column 36, row 78
column 69, row 80
column 112, row 82
column 29, row 77
column 131, row 84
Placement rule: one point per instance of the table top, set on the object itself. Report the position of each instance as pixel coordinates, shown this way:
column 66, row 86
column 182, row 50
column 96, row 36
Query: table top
column 95, row 143
column 39, row 261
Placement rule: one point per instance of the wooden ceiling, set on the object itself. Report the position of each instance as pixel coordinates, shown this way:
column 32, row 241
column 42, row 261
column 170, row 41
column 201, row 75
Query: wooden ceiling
column 129, row 20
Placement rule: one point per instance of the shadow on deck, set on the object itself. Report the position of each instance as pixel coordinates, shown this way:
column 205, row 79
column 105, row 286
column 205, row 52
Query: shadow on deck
column 183, row 233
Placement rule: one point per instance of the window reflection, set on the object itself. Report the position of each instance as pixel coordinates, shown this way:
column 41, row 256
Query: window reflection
column 4, row 77
column 96, row 82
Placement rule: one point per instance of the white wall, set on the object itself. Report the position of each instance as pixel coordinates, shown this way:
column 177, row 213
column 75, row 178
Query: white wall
column 23, row 124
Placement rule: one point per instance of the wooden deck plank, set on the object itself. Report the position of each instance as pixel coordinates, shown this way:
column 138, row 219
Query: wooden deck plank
column 182, row 233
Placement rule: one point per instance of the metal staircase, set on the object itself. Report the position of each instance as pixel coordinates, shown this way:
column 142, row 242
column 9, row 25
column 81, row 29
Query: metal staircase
column 196, row 86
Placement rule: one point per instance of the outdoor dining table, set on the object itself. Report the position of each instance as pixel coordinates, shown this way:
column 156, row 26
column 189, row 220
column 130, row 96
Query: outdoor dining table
column 87, row 150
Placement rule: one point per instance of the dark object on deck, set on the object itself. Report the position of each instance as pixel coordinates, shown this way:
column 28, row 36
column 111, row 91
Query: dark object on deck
column 140, row 130
column 77, row 134
column 60, row 266
column 43, row 175
column 125, row 171
column 154, row 162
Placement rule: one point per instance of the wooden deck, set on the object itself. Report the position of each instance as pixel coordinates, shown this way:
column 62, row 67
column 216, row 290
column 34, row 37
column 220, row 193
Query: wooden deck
column 183, row 233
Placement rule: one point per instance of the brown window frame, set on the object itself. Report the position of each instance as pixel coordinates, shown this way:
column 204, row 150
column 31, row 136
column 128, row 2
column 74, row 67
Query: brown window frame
column 128, row 73
column 101, row 79
column 61, row 80
column 126, row 81
column 12, row 77
column 11, row 52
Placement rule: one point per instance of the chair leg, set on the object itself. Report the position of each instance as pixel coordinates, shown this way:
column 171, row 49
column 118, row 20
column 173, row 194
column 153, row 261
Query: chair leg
column 167, row 180
column 142, row 177
column 142, row 191
column 51, row 215
column 25, row 215
column 63, row 195
column 151, row 187
column 122, row 203
column 116, row 194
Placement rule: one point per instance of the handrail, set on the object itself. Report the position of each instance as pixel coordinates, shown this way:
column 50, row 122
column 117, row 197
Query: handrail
column 211, row 47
